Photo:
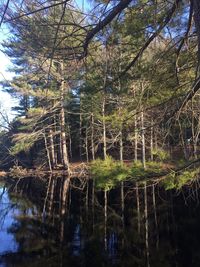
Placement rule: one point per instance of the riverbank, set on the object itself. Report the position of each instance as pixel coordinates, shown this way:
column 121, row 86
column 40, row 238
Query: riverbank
column 109, row 173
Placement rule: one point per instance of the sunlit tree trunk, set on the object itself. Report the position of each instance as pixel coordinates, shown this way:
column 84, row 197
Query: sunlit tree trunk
column 193, row 138
column 92, row 136
column 48, row 152
column 121, row 144
column 86, row 144
column 143, row 140
column 135, row 140
column 195, row 131
column 65, row 158
column 52, row 149
column 151, row 141
column 104, row 129
column 55, row 138
column 70, row 142
column 104, row 106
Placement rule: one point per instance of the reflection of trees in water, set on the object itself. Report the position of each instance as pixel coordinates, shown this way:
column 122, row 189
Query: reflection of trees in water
column 133, row 225
column 5, row 205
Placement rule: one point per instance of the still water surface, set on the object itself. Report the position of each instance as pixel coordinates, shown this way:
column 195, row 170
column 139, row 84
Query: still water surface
column 168, row 237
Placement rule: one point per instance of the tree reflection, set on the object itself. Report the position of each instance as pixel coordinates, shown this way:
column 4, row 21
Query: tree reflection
column 77, row 236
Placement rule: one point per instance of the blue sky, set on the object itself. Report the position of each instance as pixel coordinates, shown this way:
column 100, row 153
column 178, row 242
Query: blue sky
column 6, row 102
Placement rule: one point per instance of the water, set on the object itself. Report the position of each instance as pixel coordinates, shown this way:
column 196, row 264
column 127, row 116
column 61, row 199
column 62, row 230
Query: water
column 7, row 218
column 163, row 232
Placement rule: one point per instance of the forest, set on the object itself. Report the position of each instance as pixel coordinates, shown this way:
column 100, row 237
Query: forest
column 106, row 82
column 107, row 95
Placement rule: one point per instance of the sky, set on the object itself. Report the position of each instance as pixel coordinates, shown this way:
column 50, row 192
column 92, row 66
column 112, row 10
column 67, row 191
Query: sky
column 6, row 102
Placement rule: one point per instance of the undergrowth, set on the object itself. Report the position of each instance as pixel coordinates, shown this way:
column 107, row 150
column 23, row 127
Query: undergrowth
column 109, row 172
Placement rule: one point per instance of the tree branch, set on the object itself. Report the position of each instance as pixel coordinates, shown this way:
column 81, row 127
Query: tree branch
column 36, row 11
column 115, row 11
column 4, row 12
column 153, row 36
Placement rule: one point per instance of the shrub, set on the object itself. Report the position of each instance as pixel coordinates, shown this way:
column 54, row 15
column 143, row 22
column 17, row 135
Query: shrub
column 174, row 181
column 108, row 173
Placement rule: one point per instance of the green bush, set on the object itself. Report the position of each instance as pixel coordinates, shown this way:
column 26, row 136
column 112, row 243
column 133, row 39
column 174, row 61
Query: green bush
column 174, row 181
column 108, row 173
column 137, row 170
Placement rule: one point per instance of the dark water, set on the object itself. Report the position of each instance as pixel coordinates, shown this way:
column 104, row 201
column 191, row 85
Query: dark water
column 164, row 232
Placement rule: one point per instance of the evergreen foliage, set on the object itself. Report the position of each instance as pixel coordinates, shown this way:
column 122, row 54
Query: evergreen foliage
column 114, row 84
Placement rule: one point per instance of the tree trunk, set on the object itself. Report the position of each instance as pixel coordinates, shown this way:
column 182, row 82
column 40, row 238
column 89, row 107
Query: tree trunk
column 80, row 128
column 56, row 139
column 104, row 129
column 184, row 146
column 143, row 141
column 196, row 4
column 48, row 153
column 52, row 149
column 136, row 141
column 121, row 144
column 65, row 158
column 92, row 136
column 70, row 143
column 151, row 141
column 86, row 144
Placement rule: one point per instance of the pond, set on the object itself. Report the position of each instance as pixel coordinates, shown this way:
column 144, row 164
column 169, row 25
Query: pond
column 148, row 227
